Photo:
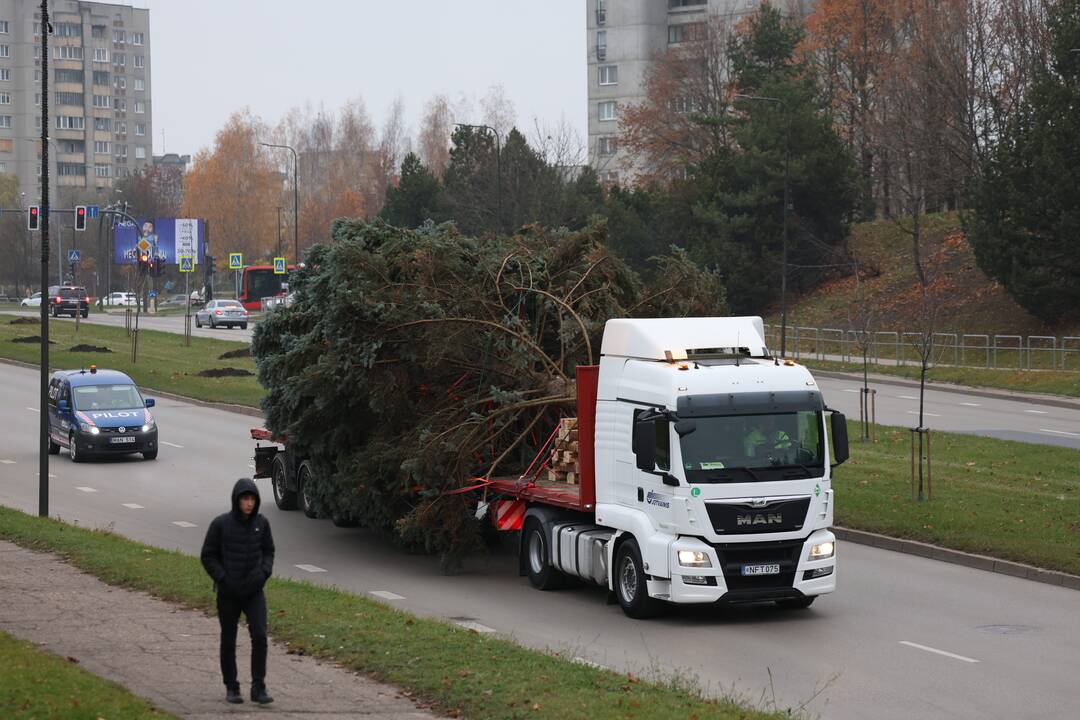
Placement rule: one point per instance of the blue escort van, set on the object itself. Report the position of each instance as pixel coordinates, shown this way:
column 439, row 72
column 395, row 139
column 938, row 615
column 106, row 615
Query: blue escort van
column 99, row 412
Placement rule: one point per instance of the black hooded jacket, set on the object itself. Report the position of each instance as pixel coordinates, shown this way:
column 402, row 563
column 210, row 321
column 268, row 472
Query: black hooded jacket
column 238, row 552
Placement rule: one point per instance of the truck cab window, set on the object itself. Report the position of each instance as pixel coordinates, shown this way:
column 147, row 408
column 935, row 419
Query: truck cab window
column 663, row 441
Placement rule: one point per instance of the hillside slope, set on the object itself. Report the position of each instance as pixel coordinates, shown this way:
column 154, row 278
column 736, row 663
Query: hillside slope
column 966, row 299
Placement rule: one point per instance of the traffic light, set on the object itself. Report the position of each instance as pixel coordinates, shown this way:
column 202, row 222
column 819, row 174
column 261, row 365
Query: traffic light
column 144, row 262
column 33, row 217
column 80, row 217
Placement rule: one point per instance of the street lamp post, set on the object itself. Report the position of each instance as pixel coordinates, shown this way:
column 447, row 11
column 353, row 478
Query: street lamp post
column 296, row 200
column 784, row 212
column 498, row 168
column 279, row 231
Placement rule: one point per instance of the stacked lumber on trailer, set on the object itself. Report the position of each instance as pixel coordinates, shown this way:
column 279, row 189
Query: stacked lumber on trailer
column 563, row 464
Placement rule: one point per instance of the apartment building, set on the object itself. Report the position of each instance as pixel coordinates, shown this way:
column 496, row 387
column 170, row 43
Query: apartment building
column 99, row 95
column 624, row 36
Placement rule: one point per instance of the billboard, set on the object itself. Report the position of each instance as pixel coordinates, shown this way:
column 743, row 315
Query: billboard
column 164, row 238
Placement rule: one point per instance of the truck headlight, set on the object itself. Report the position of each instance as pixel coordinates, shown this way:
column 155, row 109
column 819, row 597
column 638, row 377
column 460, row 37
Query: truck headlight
column 822, row 551
column 694, row 558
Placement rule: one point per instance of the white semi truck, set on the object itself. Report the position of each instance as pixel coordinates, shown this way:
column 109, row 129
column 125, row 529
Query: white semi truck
column 704, row 473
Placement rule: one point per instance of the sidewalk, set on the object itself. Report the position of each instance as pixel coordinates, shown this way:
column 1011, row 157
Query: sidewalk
column 169, row 655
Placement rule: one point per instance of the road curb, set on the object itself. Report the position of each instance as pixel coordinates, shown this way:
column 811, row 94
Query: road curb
column 958, row 557
column 228, row 407
column 1040, row 398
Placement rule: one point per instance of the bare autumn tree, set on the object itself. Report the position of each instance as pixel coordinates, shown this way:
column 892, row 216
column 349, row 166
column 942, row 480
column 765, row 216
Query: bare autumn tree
column 497, row 110
column 155, row 190
column 686, row 113
column 392, row 147
column 232, row 185
column 434, row 136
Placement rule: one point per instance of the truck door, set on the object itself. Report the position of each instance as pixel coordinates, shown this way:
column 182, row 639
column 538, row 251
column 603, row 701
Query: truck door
column 653, row 496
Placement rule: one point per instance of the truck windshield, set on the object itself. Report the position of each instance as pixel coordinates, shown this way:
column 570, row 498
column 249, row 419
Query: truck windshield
column 753, row 448
column 107, row 397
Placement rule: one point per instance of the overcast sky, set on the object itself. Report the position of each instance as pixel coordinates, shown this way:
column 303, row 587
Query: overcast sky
column 213, row 57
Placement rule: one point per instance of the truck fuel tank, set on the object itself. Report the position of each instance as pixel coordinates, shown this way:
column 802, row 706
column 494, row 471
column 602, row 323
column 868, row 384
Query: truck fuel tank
column 580, row 550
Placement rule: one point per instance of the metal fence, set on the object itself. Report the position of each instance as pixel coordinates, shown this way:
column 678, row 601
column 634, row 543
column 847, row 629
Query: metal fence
column 1012, row 352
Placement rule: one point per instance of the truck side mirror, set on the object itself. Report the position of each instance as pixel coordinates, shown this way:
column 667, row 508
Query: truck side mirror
column 62, row 405
column 644, row 445
column 685, row 427
column 839, row 438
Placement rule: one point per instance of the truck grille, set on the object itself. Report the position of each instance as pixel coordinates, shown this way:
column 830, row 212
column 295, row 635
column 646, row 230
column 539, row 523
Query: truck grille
column 783, row 552
column 743, row 518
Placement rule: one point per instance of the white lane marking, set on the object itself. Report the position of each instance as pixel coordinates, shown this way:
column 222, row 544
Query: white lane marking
column 939, row 652
column 32, row 409
column 133, row 506
column 183, row 523
column 916, row 412
column 310, row 568
column 86, row 489
column 473, row 625
column 1059, row 432
column 7, row 462
column 971, row 404
column 50, row 474
column 910, row 397
column 854, row 390
column 166, row 442
column 1038, row 412
column 387, row 595
column 251, row 466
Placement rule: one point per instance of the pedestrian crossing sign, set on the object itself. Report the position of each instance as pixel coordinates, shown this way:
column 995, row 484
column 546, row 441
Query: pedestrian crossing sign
column 187, row 264
column 279, row 266
column 236, row 261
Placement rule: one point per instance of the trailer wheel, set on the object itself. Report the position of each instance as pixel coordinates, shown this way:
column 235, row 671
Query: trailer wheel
column 279, row 480
column 303, row 489
column 534, row 543
column 631, row 588
column 797, row 603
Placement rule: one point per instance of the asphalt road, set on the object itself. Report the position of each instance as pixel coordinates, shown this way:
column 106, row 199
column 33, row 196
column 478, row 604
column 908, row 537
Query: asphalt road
column 904, row 637
column 164, row 323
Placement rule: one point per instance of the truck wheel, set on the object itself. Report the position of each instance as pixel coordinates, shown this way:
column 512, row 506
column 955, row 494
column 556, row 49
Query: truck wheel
column 542, row 575
column 344, row 521
column 279, row 480
column 631, row 588
column 797, row 603
column 303, row 489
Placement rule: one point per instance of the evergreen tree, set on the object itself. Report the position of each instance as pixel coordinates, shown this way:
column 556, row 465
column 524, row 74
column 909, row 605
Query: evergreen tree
column 417, row 197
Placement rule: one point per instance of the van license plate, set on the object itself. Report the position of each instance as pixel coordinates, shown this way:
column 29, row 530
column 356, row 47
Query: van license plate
column 118, row 440
column 771, row 569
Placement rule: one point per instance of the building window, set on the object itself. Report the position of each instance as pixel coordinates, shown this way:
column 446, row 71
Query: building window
column 137, row 38
column 119, row 36
column 5, row 98
column 686, row 32
column 606, row 145
column 120, row 104
column 69, row 98
column 70, row 122
column 4, row 28
column 68, row 169
column 6, row 145
column 609, row 74
column 101, row 55
column 121, row 151
column 119, row 59
column 101, row 123
column 37, row 99
column 96, row 31
column 69, row 76
column 5, row 121
column 5, row 51
column 101, row 147
column 37, row 74
column 140, row 129
column 140, row 84
column 103, row 170
column 140, row 61
column 101, row 77
column 67, row 29
column 140, row 152
column 67, row 52
column 5, row 74
column 72, row 147
column 120, row 82
column 605, row 111
column 102, row 101
column 140, row 107
column 601, row 12
column 610, row 177
column 121, row 128
column 676, row 4
column 681, row 104
column 601, row 45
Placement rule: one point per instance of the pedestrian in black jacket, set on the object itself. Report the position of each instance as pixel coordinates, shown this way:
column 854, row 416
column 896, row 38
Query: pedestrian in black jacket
column 238, row 553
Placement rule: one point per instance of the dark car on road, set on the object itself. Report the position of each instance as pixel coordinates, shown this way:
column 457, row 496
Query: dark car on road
column 69, row 300
column 222, row 313
column 99, row 412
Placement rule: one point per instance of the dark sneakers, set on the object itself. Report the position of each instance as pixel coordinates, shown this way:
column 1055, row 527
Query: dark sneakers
column 232, row 695
column 258, row 695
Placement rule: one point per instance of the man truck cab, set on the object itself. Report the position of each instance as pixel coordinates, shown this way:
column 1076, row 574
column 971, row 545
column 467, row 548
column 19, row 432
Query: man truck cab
column 99, row 412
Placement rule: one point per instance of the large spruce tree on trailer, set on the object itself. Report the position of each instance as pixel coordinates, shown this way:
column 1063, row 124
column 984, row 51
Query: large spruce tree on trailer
column 414, row 360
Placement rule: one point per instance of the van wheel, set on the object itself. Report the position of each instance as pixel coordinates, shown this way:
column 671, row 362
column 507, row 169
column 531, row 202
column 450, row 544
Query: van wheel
column 54, row 447
column 150, row 454
column 303, row 488
column 537, row 557
column 797, row 603
column 73, row 449
column 279, row 480
column 631, row 587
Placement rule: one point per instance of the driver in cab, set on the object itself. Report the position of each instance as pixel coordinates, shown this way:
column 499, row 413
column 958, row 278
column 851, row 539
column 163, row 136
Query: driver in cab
column 764, row 437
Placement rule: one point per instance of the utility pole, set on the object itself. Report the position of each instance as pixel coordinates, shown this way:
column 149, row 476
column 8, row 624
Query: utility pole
column 296, row 199
column 43, row 410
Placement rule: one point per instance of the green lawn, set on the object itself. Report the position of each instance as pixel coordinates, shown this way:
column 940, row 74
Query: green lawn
column 460, row 672
column 1010, row 500
column 1052, row 382
column 164, row 362
column 37, row 684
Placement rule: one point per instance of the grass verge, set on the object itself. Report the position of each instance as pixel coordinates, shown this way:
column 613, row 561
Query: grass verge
column 38, row 684
column 1010, row 500
column 164, row 362
column 1051, row 382
column 460, row 672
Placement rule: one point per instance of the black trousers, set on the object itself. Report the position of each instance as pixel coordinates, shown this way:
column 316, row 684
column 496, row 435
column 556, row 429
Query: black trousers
column 254, row 609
